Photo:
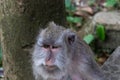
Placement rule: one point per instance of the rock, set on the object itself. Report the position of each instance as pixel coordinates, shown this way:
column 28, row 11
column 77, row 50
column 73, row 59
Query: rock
column 111, row 67
column 107, row 18
column 111, row 21
column 112, row 40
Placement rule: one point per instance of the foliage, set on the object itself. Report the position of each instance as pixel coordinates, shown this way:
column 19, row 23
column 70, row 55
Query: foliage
column 111, row 3
column 69, row 6
column 74, row 19
column 100, row 34
column 89, row 38
column 76, row 14
column 115, row 4
column 71, row 18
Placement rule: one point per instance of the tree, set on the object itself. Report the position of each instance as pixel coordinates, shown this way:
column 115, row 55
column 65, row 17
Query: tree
column 20, row 21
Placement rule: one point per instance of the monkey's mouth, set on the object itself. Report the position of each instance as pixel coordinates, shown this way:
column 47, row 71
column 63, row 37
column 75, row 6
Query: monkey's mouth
column 50, row 68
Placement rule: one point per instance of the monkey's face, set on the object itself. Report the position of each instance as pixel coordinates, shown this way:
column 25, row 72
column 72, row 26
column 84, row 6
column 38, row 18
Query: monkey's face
column 50, row 59
column 51, row 55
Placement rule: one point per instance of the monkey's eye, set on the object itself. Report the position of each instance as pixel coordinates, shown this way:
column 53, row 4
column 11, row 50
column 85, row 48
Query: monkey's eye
column 46, row 46
column 54, row 47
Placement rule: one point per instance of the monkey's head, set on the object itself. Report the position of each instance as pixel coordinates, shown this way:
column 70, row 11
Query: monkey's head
column 53, row 51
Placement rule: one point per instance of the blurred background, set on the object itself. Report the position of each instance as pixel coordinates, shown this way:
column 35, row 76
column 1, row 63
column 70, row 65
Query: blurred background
column 97, row 22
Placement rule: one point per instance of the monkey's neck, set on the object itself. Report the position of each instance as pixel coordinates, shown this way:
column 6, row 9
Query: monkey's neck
column 69, row 78
column 72, row 77
column 63, row 78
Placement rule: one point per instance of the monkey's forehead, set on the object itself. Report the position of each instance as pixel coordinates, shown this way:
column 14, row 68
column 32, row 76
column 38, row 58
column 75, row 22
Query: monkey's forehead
column 52, row 35
column 53, row 32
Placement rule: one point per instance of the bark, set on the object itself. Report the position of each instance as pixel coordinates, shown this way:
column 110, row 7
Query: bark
column 20, row 21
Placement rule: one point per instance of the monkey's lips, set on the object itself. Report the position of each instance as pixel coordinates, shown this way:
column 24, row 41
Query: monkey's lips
column 51, row 68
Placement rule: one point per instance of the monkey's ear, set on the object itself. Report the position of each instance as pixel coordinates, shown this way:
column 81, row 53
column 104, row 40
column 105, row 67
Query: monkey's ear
column 71, row 37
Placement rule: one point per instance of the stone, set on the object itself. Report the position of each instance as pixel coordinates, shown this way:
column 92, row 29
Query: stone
column 111, row 67
column 112, row 40
column 111, row 21
column 108, row 18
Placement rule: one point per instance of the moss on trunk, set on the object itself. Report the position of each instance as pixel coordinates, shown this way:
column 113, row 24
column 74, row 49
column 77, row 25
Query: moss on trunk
column 19, row 22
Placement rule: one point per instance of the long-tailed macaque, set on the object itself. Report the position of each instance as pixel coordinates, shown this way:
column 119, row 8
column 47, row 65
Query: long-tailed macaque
column 59, row 54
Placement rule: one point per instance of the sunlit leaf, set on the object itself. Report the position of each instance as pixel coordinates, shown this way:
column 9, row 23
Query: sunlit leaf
column 111, row 3
column 100, row 32
column 74, row 19
column 69, row 5
column 89, row 38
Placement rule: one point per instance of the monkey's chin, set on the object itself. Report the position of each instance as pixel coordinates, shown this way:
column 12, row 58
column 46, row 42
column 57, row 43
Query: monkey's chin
column 54, row 73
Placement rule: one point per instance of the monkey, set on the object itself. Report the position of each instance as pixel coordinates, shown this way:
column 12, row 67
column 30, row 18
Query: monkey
column 59, row 54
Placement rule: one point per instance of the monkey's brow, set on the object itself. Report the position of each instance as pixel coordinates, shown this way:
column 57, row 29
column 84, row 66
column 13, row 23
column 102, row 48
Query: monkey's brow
column 44, row 42
column 48, row 43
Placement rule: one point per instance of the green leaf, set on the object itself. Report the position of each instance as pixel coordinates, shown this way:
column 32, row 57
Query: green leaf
column 111, row 3
column 69, row 5
column 88, row 38
column 74, row 19
column 100, row 32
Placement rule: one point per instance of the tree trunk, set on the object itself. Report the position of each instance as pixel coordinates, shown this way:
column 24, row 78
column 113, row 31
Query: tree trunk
column 20, row 20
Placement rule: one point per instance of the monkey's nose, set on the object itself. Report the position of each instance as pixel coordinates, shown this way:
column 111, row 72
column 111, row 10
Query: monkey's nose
column 50, row 62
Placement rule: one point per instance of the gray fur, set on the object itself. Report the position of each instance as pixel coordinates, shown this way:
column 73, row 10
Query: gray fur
column 74, row 59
